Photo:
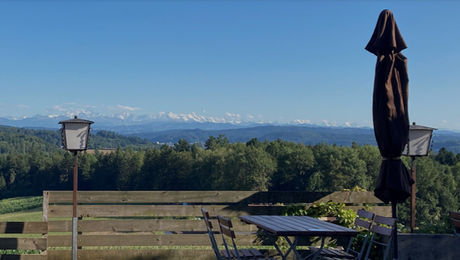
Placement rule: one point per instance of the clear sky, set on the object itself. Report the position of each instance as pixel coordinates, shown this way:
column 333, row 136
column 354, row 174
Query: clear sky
column 275, row 61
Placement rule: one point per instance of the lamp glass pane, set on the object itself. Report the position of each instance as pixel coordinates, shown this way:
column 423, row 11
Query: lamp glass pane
column 76, row 135
column 419, row 143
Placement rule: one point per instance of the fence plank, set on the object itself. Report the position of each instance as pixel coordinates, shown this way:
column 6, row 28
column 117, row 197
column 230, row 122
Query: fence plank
column 378, row 210
column 23, row 227
column 143, row 240
column 352, row 197
column 159, row 210
column 150, row 225
column 60, row 226
column 363, row 197
column 177, row 210
column 140, row 225
column 133, row 254
column 150, row 196
column 23, row 257
column 23, row 243
column 126, row 197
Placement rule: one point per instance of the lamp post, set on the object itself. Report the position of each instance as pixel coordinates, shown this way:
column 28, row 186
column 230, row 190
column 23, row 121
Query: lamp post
column 419, row 145
column 75, row 136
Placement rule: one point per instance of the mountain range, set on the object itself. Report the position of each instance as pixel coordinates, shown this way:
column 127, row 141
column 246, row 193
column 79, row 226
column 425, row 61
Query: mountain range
column 169, row 128
column 126, row 123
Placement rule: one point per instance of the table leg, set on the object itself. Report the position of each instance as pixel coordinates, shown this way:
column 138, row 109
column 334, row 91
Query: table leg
column 292, row 247
column 283, row 256
column 317, row 254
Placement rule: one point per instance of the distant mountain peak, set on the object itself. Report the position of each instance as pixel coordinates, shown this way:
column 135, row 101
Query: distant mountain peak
column 127, row 122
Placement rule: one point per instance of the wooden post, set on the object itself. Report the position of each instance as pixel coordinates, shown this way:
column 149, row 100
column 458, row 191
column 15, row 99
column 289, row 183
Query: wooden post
column 395, row 230
column 46, row 199
column 74, row 215
column 412, row 197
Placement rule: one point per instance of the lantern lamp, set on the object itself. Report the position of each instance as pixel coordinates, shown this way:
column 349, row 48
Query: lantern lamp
column 75, row 134
column 419, row 140
column 419, row 145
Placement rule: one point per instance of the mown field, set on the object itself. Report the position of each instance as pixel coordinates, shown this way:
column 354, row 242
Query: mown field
column 21, row 209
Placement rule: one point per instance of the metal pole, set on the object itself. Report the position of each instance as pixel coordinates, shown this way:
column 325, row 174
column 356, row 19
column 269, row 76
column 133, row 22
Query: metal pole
column 74, row 216
column 412, row 197
column 395, row 230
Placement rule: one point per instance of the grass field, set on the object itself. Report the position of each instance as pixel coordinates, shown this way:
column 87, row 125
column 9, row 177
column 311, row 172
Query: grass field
column 21, row 209
column 25, row 215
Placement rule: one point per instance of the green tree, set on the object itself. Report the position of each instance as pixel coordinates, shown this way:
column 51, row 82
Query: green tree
column 372, row 159
column 436, row 196
column 446, row 157
column 246, row 168
column 295, row 169
column 213, row 143
column 147, row 175
column 182, row 146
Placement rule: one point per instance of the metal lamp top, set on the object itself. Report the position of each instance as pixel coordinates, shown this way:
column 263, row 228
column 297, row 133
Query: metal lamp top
column 76, row 120
column 419, row 140
column 75, row 134
column 420, row 127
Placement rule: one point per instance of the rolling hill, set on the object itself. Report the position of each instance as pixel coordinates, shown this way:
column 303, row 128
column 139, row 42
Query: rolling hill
column 13, row 139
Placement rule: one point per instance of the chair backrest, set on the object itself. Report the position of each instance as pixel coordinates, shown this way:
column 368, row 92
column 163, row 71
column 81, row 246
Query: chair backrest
column 455, row 220
column 362, row 222
column 210, row 233
column 226, row 229
column 383, row 227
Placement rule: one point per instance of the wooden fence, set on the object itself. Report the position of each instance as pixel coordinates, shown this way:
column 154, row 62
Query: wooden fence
column 32, row 239
column 157, row 224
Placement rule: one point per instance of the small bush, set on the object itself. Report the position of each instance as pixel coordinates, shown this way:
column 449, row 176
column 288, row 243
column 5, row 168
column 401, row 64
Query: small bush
column 345, row 217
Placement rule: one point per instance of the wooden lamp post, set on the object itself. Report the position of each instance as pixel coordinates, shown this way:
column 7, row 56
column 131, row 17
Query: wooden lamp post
column 419, row 145
column 75, row 136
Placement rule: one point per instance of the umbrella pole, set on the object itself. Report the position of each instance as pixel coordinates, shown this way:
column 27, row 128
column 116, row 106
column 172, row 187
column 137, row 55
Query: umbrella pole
column 395, row 230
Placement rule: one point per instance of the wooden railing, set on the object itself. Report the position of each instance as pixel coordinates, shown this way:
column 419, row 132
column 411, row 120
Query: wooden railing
column 35, row 240
column 455, row 220
column 164, row 224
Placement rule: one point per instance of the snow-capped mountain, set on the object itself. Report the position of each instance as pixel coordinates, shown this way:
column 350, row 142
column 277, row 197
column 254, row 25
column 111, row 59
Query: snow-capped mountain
column 127, row 123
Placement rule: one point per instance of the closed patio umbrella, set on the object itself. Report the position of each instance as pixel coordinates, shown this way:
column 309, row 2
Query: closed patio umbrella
column 389, row 111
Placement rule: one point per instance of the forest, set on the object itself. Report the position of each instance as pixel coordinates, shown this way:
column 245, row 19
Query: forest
column 31, row 161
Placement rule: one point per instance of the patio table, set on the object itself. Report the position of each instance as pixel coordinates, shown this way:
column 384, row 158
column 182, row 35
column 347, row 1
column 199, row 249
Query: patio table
column 297, row 226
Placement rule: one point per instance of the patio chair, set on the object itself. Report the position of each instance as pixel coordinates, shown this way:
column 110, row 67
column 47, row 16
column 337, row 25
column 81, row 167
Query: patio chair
column 362, row 222
column 455, row 220
column 209, row 227
column 383, row 228
column 231, row 250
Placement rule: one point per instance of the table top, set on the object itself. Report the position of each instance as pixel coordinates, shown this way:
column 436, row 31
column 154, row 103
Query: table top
column 297, row 226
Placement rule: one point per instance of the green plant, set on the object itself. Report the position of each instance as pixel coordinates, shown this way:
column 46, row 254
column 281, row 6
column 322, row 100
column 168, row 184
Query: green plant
column 356, row 188
column 344, row 216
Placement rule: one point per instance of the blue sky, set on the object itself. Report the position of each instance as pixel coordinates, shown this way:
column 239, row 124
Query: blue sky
column 271, row 61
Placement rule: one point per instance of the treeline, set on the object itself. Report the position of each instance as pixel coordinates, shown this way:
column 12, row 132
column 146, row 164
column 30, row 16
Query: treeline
column 220, row 165
column 23, row 140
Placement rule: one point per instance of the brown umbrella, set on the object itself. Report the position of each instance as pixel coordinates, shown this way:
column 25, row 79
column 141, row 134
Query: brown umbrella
column 389, row 110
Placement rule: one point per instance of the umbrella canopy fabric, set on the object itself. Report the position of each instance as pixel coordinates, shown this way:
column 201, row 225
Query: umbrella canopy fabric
column 389, row 108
